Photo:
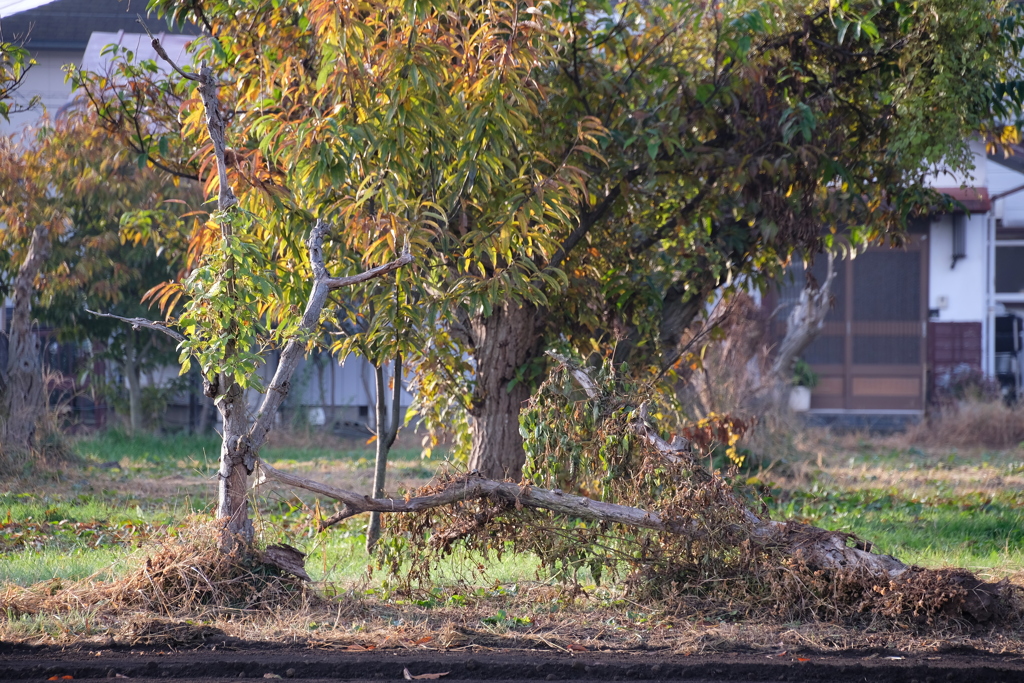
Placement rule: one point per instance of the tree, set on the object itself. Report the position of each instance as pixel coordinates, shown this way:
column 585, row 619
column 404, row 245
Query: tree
column 255, row 272
column 582, row 174
column 130, row 230
column 30, row 218
column 20, row 382
column 625, row 162
column 74, row 184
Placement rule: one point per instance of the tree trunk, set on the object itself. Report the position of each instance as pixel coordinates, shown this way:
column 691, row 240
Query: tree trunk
column 387, row 432
column 805, row 323
column 503, row 343
column 23, row 399
column 237, row 460
column 132, row 373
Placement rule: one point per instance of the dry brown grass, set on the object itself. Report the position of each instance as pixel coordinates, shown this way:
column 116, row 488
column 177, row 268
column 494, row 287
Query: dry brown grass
column 837, row 461
column 180, row 575
column 971, row 424
column 535, row 615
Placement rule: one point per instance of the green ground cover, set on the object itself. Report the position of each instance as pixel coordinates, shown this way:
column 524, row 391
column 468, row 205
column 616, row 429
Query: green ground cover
column 183, row 453
column 959, row 509
column 977, row 531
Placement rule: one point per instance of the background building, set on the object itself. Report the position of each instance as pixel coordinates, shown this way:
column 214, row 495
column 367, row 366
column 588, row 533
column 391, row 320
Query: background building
column 908, row 322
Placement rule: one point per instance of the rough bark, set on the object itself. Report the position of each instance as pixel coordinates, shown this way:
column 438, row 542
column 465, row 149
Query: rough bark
column 503, row 343
column 24, row 399
column 387, row 432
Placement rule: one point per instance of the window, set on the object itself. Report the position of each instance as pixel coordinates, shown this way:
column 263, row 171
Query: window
column 1010, row 270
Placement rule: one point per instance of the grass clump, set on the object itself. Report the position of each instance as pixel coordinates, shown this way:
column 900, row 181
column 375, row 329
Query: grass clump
column 179, row 574
column 187, row 572
column 971, row 423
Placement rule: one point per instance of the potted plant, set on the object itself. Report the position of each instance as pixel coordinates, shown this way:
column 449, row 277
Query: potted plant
column 804, row 379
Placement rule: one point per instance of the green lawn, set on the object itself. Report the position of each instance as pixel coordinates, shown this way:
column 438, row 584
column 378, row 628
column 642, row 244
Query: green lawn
column 72, row 528
column 984, row 533
column 198, row 454
column 925, row 509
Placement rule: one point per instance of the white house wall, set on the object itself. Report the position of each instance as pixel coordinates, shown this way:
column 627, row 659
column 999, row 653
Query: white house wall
column 978, row 177
column 958, row 293
column 1002, row 179
column 346, row 384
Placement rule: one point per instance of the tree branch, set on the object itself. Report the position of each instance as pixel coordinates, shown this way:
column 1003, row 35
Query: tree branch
column 470, row 487
column 295, row 349
column 163, row 53
column 823, row 548
column 138, row 323
column 589, row 219
column 805, row 322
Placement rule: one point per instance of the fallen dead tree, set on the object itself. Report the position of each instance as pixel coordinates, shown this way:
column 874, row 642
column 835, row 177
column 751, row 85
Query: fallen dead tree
column 818, row 547
column 884, row 577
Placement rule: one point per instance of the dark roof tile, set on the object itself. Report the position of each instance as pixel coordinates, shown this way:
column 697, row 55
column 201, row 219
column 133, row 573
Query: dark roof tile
column 67, row 24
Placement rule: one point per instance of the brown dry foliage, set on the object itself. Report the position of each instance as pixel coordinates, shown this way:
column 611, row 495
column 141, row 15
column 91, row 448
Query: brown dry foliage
column 180, row 575
column 919, row 598
column 731, row 375
column 971, row 423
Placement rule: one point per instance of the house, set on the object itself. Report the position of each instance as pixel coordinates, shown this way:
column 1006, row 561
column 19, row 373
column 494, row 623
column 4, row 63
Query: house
column 907, row 322
column 325, row 392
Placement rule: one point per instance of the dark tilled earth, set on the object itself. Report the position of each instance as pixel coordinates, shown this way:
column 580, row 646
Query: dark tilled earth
column 25, row 663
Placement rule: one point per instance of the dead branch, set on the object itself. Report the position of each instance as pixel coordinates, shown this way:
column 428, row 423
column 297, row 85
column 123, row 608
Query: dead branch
column 821, row 548
column 139, row 323
column 471, row 487
column 805, row 323
column 163, row 53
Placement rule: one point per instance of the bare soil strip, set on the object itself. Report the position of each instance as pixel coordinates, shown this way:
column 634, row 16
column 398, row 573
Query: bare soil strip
column 306, row 664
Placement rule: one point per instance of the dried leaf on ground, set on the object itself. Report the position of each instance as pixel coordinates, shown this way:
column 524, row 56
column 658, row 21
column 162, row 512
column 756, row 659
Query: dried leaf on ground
column 409, row 677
